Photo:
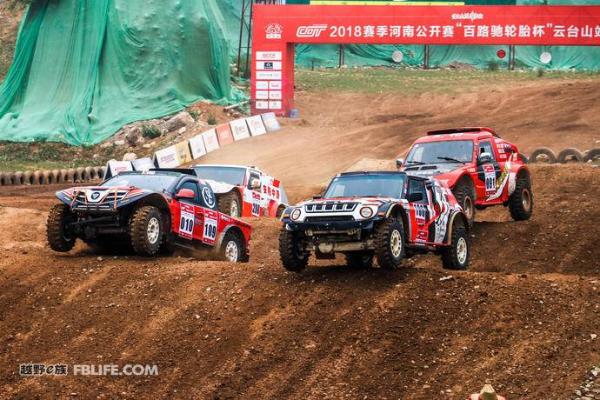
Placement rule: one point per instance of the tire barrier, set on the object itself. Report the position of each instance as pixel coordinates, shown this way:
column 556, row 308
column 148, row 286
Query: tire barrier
column 54, row 176
column 38, row 179
column 18, row 178
column 6, row 179
column 27, row 178
column 91, row 173
column 570, row 155
column 51, row 177
column 81, row 175
column 70, row 175
column 543, row 155
column 592, row 155
column 63, row 176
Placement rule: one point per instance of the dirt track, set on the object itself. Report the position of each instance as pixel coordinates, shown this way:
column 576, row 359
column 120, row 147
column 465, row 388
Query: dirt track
column 522, row 317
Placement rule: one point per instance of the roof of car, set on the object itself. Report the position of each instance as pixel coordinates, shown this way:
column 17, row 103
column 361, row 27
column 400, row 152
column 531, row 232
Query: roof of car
column 226, row 166
column 381, row 173
column 464, row 133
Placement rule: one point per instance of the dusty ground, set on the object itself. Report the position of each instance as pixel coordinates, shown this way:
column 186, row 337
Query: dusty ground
column 522, row 317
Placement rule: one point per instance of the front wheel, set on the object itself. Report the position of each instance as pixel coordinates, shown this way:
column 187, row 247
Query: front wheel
column 456, row 256
column 146, row 230
column 292, row 251
column 390, row 243
column 60, row 238
column 464, row 191
column 230, row 204
column 520, row 203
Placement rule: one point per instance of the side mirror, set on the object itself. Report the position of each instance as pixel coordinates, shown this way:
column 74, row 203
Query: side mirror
column 255, row 184
column 414, row 197
column 399, row 163
column 484, row 158
column 185, row 194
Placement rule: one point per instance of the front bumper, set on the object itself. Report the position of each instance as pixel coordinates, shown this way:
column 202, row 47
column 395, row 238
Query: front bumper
column 330, row 226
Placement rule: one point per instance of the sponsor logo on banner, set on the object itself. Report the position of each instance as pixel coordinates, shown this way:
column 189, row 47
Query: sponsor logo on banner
column 471, row 16
column 167, row 158
column 275, row 85
column 268, row 65
column 262, row 105
column 275, row 105
column 275, row 95
column 183, row 152
column 256, row 125
column 310, row 31
column 262, row 94
column 239, row 128
column 262, row 85
column 197, row 146
column 115, row 167
column 274, row 31
column 268, row 75
column 268, row 55
column 211, row 143
column 224, row 134
column 142, row 164
column 270, row 121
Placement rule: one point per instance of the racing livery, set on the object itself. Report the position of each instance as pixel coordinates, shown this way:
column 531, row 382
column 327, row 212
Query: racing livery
column 244, row 191
column 150, row 212
column 383, row 215
column 481, row 168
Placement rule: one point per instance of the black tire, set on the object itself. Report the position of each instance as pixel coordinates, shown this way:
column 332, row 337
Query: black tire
column 59, row 237
column 570, row 154
column 292, row 252
column 359, row 259
column 592, row 155
column 230, row 204
column 456, row 256
column 543, row 154
column 520, row 203
column 390, row 253
column 233, row 248
column 464, row 191
column 146, row 231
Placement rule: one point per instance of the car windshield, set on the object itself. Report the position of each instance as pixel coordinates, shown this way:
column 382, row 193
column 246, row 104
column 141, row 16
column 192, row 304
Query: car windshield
column 441, row 152
column 366, row 185
column 157, row 183
column 231, row 175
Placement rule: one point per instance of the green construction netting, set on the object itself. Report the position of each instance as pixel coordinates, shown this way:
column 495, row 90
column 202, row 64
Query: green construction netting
column 84, row 68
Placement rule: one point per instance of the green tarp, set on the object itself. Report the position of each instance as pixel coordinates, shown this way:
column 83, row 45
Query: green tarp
column 84, row 68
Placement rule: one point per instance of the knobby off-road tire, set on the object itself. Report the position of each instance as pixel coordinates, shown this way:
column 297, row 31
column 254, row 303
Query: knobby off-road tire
column 464, row 191
column 146, row 231
column 292, row 252
column 359, row 259
column 230, row 204
column 390, row 243
column 520, row 203
column 59, row 238
column 456, row 256
column 233, row 248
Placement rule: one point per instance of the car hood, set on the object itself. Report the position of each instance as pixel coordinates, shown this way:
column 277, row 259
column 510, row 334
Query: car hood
column 99, row 194
column 219, row 187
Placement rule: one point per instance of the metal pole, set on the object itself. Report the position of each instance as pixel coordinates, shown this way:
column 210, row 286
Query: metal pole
column 426, row 57
column 242, row 22
column 248, row 47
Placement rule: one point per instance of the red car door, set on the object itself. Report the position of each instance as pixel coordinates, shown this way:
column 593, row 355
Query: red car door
column 487, row 173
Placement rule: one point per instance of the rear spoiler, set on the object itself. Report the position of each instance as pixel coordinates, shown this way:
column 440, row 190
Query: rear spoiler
column 462, row 130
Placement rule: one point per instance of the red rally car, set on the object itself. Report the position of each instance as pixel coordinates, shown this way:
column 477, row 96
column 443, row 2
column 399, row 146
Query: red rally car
column 480, row 167
column 151, row 212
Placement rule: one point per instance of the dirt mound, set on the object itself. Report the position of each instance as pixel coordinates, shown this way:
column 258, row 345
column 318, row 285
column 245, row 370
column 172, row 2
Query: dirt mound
column 523, row 317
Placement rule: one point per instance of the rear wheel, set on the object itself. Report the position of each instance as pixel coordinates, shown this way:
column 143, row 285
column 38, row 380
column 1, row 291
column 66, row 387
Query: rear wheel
column 464, row 191
column 60, row 238
column 359, row 259
column 520, row 203
column 456, row 256
column 230, row 204
column 233, row 248
column 292, row 250
column 146, row 230
column 390, row 243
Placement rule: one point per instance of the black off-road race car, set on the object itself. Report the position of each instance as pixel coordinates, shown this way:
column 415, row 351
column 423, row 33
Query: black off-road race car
column 382, row 215
column 149, row 212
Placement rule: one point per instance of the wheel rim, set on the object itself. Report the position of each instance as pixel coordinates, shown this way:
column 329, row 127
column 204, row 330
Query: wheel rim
column 234, row 211
column 396, row 243
column 468, row 207
column 526, row 200
column 153, row 230
column 231, row 251
column 462, row 250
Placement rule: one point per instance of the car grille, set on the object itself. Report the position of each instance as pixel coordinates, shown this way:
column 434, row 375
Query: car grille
column 109, row 201
column 330, row 218
column 330, row 207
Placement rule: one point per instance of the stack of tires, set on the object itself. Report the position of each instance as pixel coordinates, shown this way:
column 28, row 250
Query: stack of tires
column 548, row 156
column 51, row 177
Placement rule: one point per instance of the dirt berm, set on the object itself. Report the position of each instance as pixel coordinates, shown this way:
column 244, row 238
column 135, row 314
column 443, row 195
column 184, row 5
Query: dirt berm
column 523, row 317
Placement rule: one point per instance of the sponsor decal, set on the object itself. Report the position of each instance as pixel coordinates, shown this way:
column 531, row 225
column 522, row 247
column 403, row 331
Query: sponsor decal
column 470, row 16
column 208, row 197
column 274, row 31
column 95, row 195
column 310, row 31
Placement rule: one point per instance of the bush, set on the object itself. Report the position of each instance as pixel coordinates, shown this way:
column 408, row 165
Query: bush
column 150, row 131
column 493, row 66
column 540, row 72
column 212, row 120
column 195, row 114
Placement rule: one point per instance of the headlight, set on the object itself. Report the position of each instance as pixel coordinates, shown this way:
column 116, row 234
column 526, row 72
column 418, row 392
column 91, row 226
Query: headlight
column 295, row 214
column 366, row 212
